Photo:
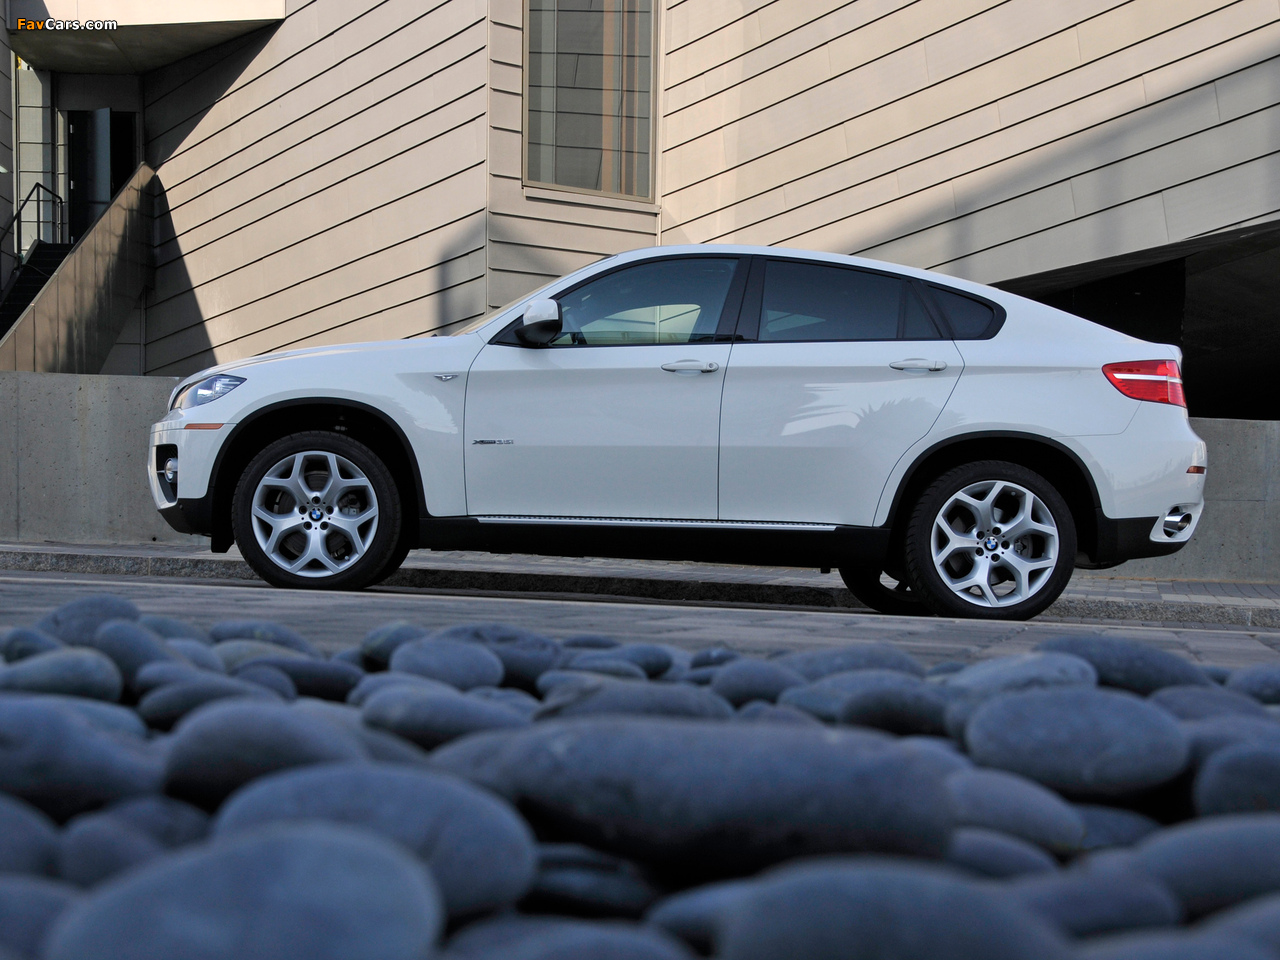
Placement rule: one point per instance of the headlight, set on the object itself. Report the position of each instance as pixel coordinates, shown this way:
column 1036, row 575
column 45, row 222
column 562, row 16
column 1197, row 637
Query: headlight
column 210, row 388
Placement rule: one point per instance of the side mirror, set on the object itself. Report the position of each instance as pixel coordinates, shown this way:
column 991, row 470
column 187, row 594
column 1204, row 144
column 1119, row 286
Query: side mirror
column 541, row 323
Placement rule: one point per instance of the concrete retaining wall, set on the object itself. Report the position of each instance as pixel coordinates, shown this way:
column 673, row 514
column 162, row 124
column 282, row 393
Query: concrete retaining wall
column 73, row 470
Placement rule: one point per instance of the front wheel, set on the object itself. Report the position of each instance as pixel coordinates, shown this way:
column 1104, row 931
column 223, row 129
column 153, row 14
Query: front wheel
column 317, row 510
column 990, row 540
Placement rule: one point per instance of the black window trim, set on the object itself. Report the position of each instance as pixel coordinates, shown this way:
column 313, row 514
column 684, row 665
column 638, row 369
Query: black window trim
column 993, row 327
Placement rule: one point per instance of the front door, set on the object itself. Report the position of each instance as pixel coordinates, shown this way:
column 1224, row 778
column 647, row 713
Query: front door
column 620, row 416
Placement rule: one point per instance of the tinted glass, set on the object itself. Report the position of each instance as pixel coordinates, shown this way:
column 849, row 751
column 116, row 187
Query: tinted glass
column 668, row 301
column 969, row 319
column 806, row 301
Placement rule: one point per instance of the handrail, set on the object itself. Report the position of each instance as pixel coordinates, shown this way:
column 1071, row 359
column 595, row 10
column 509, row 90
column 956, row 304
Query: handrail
column 56, row 220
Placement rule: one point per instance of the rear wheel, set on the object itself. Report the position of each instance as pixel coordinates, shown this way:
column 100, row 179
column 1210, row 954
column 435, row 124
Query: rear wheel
column 991, row 540
column 317, row 510
column 883, row 592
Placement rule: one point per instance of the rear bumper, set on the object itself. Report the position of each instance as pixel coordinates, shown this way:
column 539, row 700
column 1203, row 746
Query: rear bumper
column 1132, row 538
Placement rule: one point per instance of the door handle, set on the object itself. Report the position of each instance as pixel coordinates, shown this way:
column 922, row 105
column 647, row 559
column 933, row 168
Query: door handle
column 691, row 366
column 918, row 363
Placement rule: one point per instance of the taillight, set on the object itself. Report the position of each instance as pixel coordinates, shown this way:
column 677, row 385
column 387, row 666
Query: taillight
column 1156, row 380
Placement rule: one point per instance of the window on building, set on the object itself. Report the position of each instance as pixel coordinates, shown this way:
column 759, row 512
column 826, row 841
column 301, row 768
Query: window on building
column 588, row 97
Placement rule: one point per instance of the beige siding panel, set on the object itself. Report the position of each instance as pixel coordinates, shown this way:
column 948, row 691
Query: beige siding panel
column 1219, row 60
column 885, row 222
column 506, row 286
column 1226, row 197
column 1136, row 20
column 505, row 111
column 1247, row 90
column 507, row 78
column 561, row 235
column 506, row 196
column 509, row 13
column 506, row 44
column 538, row 259
column 689, row 21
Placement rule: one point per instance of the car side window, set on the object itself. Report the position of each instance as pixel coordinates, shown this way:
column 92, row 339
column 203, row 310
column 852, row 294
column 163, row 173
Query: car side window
column 816, row 302
column 663, row 301
column 970, row 319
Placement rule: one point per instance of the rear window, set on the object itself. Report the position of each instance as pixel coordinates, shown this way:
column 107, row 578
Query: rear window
column 970, row 319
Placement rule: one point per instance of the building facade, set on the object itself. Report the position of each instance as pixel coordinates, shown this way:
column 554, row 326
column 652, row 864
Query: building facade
column 329, row 171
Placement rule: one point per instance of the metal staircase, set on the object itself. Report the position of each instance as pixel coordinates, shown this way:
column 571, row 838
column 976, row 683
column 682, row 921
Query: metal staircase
column 29, row 278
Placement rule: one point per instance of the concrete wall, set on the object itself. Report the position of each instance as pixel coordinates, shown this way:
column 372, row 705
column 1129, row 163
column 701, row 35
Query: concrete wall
column 73, row 458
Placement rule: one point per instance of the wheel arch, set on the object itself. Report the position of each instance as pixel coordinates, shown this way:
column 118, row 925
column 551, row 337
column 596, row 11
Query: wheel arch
column 350, row 418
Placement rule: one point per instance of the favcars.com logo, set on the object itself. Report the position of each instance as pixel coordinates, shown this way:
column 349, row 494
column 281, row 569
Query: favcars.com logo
column 52, row 24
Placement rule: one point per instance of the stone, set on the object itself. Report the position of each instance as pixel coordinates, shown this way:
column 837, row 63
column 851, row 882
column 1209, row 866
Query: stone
column 96, row 846
column 1188, row 702
column 20, row 643
column 263, row 674
column 311, row 891
column 525, row 655
column 158, row 674
column 516, row 937
column 855, row 909
column 1084, row 904
column 232, row 653
column 353, row 656
column 701, row 676
column 63, row 764
column 381, row 642
column 715, row 657
column 995, row 854
column 589, row 641
column 1172, row 946
column 508, row 697
column 1017, row 806
column 747, row 679
column 264, row 631
column 605, row 664
column 696, row 915
column 77, row 621
column 1212, row 734
column 326, row 679
column 1217, row 674
column 112, row 717
column 166, row 705
column 481, row 853
column 1026, row 671
column 558, row 678
column 653, row 659
column 430, row 719
column 222, row 746
column 578, row 881
column 711, row 799
column 1214, row 863
column 1112, row 827
column 1244, row 778
column 129, row 645
column 75, row 672
column 758, row 711
column 1262, row 682
column 171, row 628
column 461, row 665
column 944, row 669
column 1079, row 740
column 28, row 838
column 195, row 652
column 816, row 664
column 606, row 696
column 940, row 752
column 1256, row 920
column 379, row 744
column 169, row 822
column 887, row 699
column 373, row 682
column 29, row 906
column 1129, row 664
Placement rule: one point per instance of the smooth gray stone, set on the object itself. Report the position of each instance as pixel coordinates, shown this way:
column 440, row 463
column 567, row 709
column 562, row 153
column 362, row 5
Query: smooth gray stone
column 557, row 678
column 28, row 838
column 1112, row 827
column 700, row 676
column 287, row 892
column 816, row 664
column 995, row 854
column 63, row 764
column 380, row 745
column 945, row 669
column 1079, row 740
column 1017, row 806
column 222, row 746
column 96, row 846
column 264, row 674
column 169, row 822
column 373, row 682
column 459, row 664
column 380, row 642
column 711, row 798
column 326, row 679
column 653, row 659
column 758, row 711
column 1216, row 673
column 76, row 622
column 1198, row 703
column 515, row 937
column 607, row 665
column 1212, row 734
column 508, row 697
column 956, row 716
column 20, row 643
column 1262, row 682
column 264, row 631
column 605, row 696
column 1025, row 671
column 825, row 698
column 194, row 651
column 696, row 915
column 74, row 672
column 111, row 717
column 171, row 628
column 1244, row 778
column 746, row 679
column 130, row 646
column 868, row 909
column 352, row 656
column 1256, row 920
column 29, row 906
column 939, row 752
column 155, row 675
column 480, row 851
column 430, row 719
column 166, row 705
column 1129, row 664
column 577, row 881
column 715, row 657
column 1216, row 862
column 886, row 699
column 525, row 655
column 1172, row 946
column 232, row 653
column 589, row 641
column 1083, row 904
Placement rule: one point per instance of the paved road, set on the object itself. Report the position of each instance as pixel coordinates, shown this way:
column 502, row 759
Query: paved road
column 335, row 620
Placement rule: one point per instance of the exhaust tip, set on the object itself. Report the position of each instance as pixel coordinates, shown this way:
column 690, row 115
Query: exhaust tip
column 1176, row 522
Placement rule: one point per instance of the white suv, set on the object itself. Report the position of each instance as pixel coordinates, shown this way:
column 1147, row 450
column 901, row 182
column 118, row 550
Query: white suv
column 951, row 448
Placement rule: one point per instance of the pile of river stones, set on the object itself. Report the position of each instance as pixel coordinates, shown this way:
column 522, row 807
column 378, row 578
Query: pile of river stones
column 484, row 792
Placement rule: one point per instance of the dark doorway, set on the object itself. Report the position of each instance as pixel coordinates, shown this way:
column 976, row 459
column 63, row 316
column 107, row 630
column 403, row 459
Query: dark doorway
column 102, row 153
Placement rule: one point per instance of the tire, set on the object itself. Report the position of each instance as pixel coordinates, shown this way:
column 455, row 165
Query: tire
column 351, row 526
column 965, row 559
column 897, row 600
